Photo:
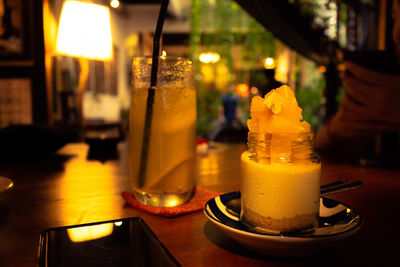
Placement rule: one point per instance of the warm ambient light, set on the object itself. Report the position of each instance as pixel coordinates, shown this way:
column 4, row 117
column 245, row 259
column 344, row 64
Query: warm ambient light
column 242, row 89
column 322, row 69
column 254, row 90
column 85, row 31
column 164, row 54
column 119, row 223
column 269, row 63
column 209, row 57
column 114, row 3
column 172, row 202
column 86, row 233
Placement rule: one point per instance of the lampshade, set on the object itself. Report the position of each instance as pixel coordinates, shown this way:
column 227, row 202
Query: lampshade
column 84, row 31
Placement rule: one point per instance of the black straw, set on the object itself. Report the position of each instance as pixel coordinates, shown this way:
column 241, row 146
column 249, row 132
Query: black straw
column 151, row 92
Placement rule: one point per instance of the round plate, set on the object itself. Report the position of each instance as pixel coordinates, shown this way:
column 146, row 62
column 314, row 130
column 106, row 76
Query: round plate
column 5, row 184
column 337, row 222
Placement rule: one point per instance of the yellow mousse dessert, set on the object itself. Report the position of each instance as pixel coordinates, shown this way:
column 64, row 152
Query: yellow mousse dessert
column 280, row 173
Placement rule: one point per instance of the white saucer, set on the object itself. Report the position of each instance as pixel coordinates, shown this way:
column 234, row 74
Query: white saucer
column 5, row 184
column 337, row 222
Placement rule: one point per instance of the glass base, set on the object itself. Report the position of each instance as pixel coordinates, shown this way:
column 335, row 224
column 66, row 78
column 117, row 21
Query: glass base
column 254, row 222
column 261, row 230
column 162, row 199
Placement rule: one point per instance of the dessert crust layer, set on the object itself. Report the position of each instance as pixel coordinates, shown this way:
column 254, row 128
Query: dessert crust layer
column 263, row 224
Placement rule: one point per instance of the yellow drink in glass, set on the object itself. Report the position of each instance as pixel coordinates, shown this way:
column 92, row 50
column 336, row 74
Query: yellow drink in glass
column 168, row 179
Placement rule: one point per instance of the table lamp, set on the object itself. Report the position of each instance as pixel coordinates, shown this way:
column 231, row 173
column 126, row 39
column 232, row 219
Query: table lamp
column 84, row 32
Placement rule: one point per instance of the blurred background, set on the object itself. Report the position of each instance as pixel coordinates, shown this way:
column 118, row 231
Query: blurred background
column 240, row 49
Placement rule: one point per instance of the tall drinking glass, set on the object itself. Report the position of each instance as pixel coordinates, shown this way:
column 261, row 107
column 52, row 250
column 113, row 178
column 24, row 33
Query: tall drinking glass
column 163, row 176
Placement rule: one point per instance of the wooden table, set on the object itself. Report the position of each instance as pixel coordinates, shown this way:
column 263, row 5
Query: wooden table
column 69, row 189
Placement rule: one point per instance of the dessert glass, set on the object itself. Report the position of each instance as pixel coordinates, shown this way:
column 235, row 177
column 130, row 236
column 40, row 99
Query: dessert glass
column 280, row 183
column 168, row 178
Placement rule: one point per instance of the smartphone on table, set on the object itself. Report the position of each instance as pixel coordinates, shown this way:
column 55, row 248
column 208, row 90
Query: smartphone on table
column 124, row 242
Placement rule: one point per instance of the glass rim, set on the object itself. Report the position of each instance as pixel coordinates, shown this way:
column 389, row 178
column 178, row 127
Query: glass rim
column 168, row 58
column 310, row 133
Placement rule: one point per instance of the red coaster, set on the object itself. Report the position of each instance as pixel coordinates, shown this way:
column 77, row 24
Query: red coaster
column 196, row 203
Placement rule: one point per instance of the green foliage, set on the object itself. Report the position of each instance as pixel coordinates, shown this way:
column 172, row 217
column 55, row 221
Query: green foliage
column 195, row 33
column 208, row 103
column 340, row 95
column 222, row 26
column 310, row 99
column 309, row 94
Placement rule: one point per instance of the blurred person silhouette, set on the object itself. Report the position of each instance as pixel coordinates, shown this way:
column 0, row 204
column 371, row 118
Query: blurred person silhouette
column 231, row 129
column 264, row 80
column 271, row 83
column 371, row 103
column 230, row 105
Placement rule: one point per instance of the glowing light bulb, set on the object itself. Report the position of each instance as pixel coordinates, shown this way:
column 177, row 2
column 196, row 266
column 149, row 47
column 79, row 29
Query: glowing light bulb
column 114, row 3
column 269, row 63
column 242, row 89
column 322, row 69
column 209, row 57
